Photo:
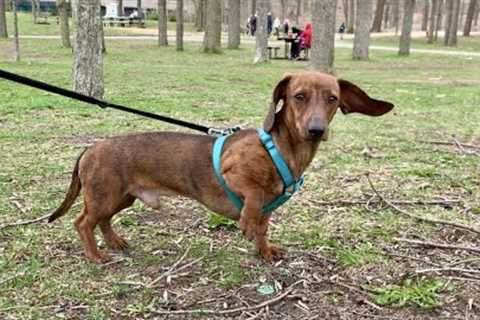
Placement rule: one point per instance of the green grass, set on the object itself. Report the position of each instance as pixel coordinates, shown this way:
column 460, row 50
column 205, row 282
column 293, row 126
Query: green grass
column 41, row 135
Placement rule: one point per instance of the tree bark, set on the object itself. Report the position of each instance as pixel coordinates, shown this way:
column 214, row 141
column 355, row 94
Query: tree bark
column 439, row 19
column 448, row 18
column 345, row 11
column 452, row 37
column 16, row 42
column 432, row 21
column 405, row 37
column 386, row 16
column 323, row 46
column 477, row 14
column 162, row 23
column 363, row 22
column 351, row 14
column 179, row 23
column 468, row 21
column 199, row 14
column 426, row 10
column 261, row 36
column 3, row 20
column 254, row 7
column 62, row 7
column 462, row 7
column 88, row 59
column 283, row 7
column 377, row 21
column 120, row 8
column 396, row 15
column 34, row 11
column 233, row 24
column 139, row 8
column 298, row 12
column 213, row 30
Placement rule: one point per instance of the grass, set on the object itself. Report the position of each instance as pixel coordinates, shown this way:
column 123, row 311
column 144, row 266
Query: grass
column 43, row 272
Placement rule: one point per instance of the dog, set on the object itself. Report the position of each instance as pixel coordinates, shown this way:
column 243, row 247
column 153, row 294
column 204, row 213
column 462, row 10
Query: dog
column 114, row 172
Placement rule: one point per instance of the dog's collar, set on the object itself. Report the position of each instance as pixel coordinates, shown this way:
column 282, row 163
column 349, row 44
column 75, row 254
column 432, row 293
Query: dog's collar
column 290, row 185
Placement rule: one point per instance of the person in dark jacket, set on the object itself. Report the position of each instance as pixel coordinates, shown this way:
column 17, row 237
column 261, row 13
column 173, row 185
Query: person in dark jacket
column 269, row 23
column 253, row 25
column 341, row 30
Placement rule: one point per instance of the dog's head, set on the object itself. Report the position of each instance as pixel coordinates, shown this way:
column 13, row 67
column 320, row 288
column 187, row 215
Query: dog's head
column 308, row 101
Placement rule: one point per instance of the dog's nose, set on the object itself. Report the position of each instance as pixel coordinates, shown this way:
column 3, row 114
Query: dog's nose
column 316, row 132
column 316, row 128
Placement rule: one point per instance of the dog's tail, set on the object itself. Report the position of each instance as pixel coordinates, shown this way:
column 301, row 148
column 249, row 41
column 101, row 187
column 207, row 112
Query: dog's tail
column 72, row 193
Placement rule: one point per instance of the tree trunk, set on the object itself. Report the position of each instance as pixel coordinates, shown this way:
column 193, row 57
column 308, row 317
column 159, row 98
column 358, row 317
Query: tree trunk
column 139, row 8
column 462, row 11
column 34, row 11
column 377, row 21
column 452, row 37
column 16, row 43
column 298, row 12
column 426, row 10
column 468, row 21
column 261, row 36
column 233, row 24
column 432, row 21
column 396, row 15
column 363, row 21
column 199, row 15
column 386, row 16
column 162, row 23
column 438, row 25
column 406, row 38
column 120, row 8
column 88, row 59
column 351, row 14
column 345, row 11
column 213, row 31
column 254, row 7
column 283, row 8
column 448, row 18
column 477, row 14
column 3, row 20
column 179, row 25
column 62, row 7
column 323, row 46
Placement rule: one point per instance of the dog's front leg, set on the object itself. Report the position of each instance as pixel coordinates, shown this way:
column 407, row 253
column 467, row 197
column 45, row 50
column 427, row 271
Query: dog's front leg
column 267, row 251
column 251, row 213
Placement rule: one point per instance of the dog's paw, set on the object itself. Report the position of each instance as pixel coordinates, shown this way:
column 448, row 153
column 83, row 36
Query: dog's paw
column 100, row 257
column 272, row 252
column 248, row 229
column 117, row 243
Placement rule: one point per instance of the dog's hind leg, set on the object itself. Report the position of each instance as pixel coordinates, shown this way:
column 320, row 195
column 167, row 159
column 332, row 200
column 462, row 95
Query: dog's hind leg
column 85, row 225
column 113, row 240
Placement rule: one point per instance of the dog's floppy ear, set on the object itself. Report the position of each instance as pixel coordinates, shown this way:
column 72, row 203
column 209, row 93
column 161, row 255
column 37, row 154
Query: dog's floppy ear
column 278, row 94
column 354, row 99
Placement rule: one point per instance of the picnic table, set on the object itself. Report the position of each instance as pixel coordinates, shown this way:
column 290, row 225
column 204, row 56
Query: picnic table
column 123, row 22
column 287, row 43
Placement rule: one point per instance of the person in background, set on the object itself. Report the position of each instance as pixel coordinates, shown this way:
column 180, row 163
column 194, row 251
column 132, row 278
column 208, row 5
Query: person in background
column 306, row 37
column 286, row 26
column 295, row 43
column 276, row 27
column 341, row 30
column 269, row 23
column 253, row 25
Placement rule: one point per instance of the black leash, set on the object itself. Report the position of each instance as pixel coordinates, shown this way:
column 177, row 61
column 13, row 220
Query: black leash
column 104, row 104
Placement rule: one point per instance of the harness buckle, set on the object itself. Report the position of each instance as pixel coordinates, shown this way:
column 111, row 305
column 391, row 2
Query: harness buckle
column 223, row 132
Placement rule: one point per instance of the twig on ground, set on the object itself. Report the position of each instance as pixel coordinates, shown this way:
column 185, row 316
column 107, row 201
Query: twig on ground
column 367, row 315
column 429, row 220
column 169, row 271
column 314, row 255
column 455, row 142
column 25, row 222
column 462, row 262
column 397, row 202
column 173, row 272
column 412, row 258
column 437, row 245
column 236, row 310
column 11, row 278
column 447, row 269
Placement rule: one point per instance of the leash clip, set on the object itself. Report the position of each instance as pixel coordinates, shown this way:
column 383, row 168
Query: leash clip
column 223, row 132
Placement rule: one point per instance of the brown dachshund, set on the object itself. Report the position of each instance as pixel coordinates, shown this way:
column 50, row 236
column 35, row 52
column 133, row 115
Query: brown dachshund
column 116, row 171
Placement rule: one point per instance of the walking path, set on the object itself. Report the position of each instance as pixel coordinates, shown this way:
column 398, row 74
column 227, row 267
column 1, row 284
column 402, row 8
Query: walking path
column 198, row 38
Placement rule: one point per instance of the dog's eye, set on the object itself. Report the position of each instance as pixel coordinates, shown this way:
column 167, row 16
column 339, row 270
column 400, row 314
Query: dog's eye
column 332, row 99
column 300, row 97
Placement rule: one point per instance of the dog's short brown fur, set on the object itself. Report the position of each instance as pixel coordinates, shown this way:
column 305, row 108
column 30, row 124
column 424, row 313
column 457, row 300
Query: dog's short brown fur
column 116, row 171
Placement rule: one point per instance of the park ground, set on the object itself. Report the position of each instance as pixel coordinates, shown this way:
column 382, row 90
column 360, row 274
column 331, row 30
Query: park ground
column 347, row 252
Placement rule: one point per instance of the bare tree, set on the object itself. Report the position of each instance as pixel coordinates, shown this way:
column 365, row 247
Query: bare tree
column 345, row 7
column 283, row 8
column 432, row 21
column 34, row 11
column 88, row 59
column 298, row 12
column 396, row 15
column 449, row 18
column 139, row 8
column 452, row 37
column 254, row 7
column 386, row 16
column 462, row 11
column 377, row 21
column 323, row 46
column 179, row 23
column 477, row 14
column 62, row 7
column 3, row 20
column 212, row 38
column 233, row 24
column 426, row 10
column 200, row 14
column 162, row 23
column 406, row 35
column 351, row 14
column 261, row 36
column 363, row 22
column 468, row 22
column 438, row 24
column 120, row 8
column 16, row 42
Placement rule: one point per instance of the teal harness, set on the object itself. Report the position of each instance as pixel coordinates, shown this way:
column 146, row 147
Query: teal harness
column 290, row 185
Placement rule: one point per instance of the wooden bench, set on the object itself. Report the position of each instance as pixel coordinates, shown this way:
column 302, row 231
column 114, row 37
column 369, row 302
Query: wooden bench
column 275, row 52
column 123, row 22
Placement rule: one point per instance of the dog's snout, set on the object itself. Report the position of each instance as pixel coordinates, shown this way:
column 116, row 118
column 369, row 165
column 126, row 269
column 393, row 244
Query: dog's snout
column 316, row 128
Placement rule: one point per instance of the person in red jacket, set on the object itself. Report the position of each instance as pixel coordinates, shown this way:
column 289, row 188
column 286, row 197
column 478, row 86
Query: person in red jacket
column 306, row 37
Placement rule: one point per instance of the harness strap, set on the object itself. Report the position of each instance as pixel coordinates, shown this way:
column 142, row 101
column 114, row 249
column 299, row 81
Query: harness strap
column 290, row 185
